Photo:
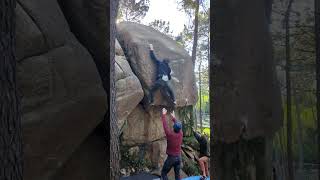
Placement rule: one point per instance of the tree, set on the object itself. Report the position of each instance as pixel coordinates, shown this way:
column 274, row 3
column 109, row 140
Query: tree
column 11, row 160
column 185, row 37
column 317, row 38
column 195, row 33
column 302, row 77
column 162, row 26
column 247, row 108
column 200, row 96
column 192, row 8
column 133, row 10
column 299, row 123
column 195, row 39
column 114, row 132
column 288, row 87
column 203, row 50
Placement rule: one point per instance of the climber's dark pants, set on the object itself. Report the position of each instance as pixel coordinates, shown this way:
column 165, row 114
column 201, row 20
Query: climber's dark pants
column 171, row 161
column 165, row 88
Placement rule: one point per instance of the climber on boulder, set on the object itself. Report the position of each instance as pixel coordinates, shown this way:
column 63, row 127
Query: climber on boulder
column 174, row 141
column 163, row 75
column 203, row 157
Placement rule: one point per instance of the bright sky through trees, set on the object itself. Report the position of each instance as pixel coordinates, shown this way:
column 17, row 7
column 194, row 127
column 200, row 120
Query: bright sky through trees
column 166, row 10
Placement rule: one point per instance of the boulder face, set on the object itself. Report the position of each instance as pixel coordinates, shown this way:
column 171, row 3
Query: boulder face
column 60, row 45
column 153, row 152
column 128, row 89
column 88, row 21
column 156, row 153
column 142, row 127
column 119, row 50
column 62, row 95
column 88, row 161
column 135, row 39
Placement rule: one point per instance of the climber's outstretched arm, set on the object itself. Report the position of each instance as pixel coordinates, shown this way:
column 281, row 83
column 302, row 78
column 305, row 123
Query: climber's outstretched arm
column 164, row 122
column 173, row 116
column 152, row 55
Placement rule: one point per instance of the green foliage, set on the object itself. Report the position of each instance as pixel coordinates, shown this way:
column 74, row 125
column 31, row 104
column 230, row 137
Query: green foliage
column 132, row 10
column 206, row 131
column 187, row 118
column 309, row 143
column 302, row 75
column 190, row 167
column 131, row 161
column 192, row 142
column 188, row 6
column 205, row 104
column 185, row 37
column 162, row 26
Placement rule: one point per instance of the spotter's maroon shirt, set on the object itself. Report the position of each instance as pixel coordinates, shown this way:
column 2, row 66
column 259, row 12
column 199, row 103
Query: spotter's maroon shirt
column 174, row 140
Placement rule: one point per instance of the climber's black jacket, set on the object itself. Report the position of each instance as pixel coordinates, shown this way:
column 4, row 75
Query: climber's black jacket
column 203, row 144
column 162, row 67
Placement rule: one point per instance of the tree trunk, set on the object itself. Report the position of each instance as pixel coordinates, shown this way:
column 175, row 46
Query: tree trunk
column 246, row 97
column 211, row 64
column 299, row 129
column 317, row 35
column 114, row 132
column 200, row 98
column 288, row 88
column 11, row 162
column 243, row 160
column 195, row 33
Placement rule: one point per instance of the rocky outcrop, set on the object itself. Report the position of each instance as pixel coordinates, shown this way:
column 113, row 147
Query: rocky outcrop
column 142, row 127
column 135, row 39
column 144, row 133
column 128, row 88
column 88, row 21
column 61, row 53
column 88, row 161
column 156, row 153
column 62, row 95
column 119, row 50
column 143, row 130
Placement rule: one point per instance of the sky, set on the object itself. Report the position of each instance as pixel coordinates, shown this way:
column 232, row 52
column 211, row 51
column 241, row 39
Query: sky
column 166, row 10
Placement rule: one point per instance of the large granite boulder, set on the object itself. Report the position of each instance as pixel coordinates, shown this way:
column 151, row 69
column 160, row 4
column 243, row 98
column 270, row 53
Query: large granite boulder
column 156, row 153
column 87, row 162
column 135, row 39
column 119, row 50
column 142, row 126
column 128, row 89
column 88, row 21
column 62, row 95
column 144, row 130
column 151, row 152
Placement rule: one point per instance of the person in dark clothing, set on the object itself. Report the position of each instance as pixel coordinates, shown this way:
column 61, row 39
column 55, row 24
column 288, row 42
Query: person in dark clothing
column 163, row 75
column 203, row 157
column 174, row 141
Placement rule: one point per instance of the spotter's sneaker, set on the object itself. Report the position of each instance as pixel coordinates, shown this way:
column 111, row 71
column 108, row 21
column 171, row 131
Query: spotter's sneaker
column 203, row 178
